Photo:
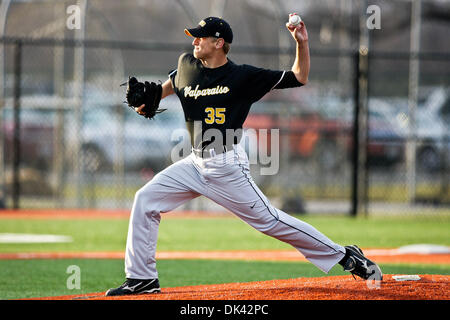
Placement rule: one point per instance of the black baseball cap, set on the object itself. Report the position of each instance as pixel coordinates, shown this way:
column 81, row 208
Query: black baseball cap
column 212, row 27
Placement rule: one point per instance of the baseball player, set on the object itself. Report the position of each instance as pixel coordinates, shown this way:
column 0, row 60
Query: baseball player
column 216, row 95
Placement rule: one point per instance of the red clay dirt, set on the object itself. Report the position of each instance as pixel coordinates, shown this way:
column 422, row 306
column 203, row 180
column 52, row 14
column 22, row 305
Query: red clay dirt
column 429, row 287
column 83, row 214
column 378, row 255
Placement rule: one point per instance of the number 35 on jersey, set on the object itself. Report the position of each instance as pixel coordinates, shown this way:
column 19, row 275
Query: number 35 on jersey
column 215, row 115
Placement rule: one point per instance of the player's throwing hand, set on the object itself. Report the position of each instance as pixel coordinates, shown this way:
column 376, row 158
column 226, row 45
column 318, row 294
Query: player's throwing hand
column 298, row 32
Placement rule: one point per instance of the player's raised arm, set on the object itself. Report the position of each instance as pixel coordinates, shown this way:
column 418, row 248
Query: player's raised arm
column 302, row 61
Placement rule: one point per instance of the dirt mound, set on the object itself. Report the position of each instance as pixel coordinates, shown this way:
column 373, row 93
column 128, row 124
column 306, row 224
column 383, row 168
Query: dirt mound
column 429, row 287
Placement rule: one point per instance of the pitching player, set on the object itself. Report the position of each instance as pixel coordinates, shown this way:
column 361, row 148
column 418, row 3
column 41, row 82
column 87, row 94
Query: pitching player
column 216, row 95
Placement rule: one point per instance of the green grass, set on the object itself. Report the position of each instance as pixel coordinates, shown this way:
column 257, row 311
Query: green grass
column 226, row 233
column 38, row 278
column 34, row 278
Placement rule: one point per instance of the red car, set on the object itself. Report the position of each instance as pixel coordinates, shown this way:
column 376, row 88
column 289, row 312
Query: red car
column 36, row 139
column 329, row 141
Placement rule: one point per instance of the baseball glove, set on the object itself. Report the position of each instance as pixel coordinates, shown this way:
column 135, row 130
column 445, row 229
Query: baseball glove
column 146, row 93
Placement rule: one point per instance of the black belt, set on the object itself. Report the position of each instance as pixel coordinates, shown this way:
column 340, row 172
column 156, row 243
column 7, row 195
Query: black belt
column 211, row 152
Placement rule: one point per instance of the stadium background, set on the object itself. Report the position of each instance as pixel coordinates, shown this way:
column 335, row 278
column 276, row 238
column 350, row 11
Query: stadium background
column 364, row 150
column 80, row 147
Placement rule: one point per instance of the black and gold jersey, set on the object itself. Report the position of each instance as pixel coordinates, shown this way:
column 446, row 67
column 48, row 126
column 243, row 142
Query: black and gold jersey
column 221, row 98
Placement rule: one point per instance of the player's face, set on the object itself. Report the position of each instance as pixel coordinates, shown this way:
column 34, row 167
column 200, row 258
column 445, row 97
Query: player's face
column 204, row 47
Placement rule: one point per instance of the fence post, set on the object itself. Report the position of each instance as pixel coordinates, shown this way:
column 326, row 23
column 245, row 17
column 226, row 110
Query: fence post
column 17, row 125
column 360, row 134
column 355, row 138
column 445, row 171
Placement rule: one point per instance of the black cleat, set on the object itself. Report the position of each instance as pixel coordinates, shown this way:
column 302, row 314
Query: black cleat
column 358, row 264
column 135, row 286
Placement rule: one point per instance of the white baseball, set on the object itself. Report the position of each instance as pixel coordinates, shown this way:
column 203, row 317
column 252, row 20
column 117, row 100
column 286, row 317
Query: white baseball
column 294, row 19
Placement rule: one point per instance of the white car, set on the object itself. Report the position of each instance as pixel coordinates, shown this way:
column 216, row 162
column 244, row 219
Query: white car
column 433, row 131
column 432, row 128
column 111, row 136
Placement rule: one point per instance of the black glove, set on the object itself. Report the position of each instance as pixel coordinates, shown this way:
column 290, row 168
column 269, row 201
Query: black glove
column 149, row 94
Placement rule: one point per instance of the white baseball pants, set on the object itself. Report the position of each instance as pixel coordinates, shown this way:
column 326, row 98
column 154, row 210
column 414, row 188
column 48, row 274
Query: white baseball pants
column 225, row 179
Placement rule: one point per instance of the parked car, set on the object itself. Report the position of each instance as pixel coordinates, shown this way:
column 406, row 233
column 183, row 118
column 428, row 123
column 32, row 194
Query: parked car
column 111, row 135
column 432, row 134
column 386, row 143
column 36, row 138
column 109, row 132
column 433, row 131
column 327, row 138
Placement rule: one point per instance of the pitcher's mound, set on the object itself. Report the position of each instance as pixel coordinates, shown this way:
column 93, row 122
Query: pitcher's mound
column 428, row 287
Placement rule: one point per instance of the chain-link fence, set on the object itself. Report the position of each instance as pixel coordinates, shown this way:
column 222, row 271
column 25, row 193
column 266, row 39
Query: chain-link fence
column 70, row 142
column 410, row 126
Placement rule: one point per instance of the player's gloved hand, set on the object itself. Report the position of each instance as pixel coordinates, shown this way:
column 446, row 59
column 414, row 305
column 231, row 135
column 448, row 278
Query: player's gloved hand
column 144, row 98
